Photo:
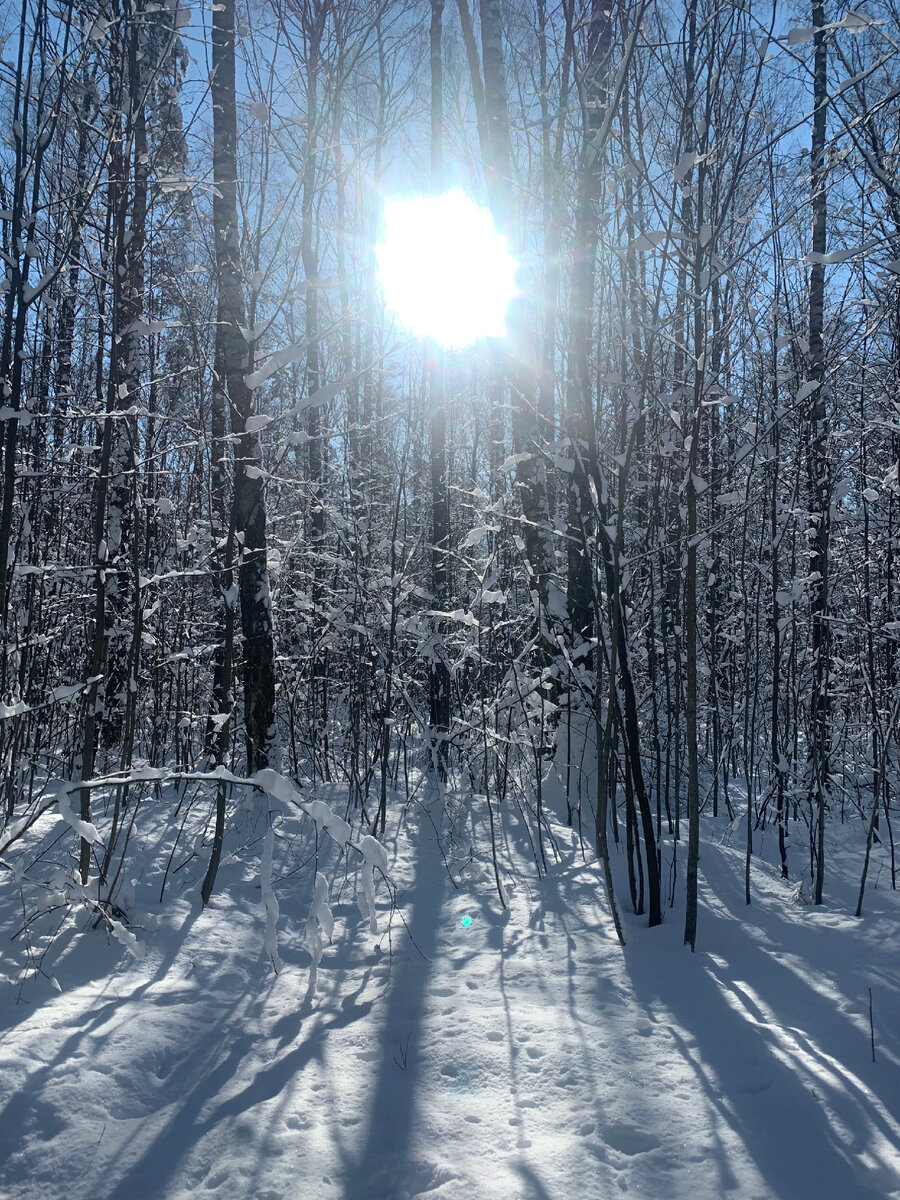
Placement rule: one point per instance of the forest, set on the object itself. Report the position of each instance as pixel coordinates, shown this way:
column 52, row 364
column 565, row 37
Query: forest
column 591, row 599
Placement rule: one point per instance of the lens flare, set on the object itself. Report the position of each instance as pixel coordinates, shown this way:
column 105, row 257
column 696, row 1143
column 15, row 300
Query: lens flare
column 446, row 272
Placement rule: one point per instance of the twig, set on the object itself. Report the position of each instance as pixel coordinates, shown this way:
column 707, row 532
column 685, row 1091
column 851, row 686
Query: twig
column 871, row 1025
column 404, row 1050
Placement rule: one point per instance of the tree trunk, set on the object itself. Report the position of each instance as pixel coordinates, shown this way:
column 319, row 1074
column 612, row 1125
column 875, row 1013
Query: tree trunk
column 520, row 362
column 439, row 674
column 817, row 470
column 233, row 360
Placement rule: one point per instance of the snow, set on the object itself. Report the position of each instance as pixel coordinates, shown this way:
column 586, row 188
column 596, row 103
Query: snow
column 84, row 829
column 807, row 388
column 275, row 361
column 319, row 925
column 520, row 1056
column 375, row 858
column 270, row 901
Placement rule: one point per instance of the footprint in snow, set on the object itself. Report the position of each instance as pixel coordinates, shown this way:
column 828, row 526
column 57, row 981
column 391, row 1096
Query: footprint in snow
column 628, row 1139
column 754, row 1086
column 295, row 1122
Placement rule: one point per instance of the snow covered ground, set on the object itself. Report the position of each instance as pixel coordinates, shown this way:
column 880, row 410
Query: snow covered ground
column 462, row 1052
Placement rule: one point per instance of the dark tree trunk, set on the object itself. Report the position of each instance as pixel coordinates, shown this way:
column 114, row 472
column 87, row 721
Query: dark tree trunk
column 818, row 472
column 439, row 674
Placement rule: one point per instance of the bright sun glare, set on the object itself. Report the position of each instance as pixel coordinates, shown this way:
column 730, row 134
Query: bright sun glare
column 445, row 270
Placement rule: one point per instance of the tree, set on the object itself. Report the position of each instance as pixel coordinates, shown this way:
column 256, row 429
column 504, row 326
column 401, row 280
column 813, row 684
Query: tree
column 818, row 467
column 439, row 673
column 246, row 539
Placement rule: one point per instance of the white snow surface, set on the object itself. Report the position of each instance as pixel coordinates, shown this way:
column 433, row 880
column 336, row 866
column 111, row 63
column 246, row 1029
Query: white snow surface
column 521, row 1056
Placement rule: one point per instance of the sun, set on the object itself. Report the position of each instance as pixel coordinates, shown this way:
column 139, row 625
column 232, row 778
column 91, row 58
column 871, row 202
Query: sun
column 446, row 272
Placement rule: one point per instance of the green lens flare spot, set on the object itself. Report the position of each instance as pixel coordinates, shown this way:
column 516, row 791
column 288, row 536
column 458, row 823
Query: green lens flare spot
column 466, row 922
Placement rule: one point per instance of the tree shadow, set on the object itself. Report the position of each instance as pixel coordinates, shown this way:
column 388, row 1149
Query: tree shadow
column 384, row 1165
column 770, row 1048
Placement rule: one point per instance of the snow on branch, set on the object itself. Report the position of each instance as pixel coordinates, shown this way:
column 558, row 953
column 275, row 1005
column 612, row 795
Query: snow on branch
column 321, row 921
column 270, row 901
column 319, row 924
column 84, row 829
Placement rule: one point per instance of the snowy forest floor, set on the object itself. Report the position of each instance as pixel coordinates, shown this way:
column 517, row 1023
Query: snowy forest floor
column 520, row 1054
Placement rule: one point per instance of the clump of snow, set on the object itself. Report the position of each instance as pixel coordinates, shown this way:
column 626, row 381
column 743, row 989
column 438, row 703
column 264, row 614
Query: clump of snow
column 270, row 900
column 326, row 818
column 318, row 811
column 375, row 858
column 319, row 925
column 126, row 938
column 84, row 829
